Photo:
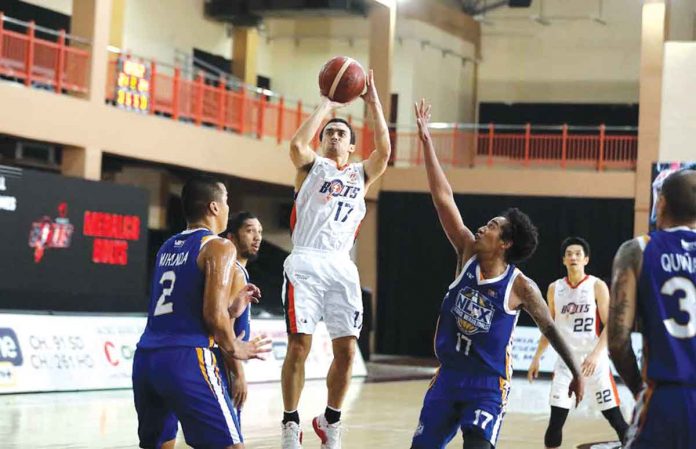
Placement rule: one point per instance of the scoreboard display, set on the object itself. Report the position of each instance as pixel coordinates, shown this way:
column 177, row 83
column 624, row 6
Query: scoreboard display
column 132, row 85
column 69, row 244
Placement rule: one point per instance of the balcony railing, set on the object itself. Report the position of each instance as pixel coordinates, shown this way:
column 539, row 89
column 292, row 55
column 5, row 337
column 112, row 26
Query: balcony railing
column 53, row 64
column 228, row 105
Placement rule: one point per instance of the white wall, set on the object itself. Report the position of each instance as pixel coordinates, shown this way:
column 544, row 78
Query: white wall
column 292, row 52
column 678, row 119
column 155, row 28
column 573, row 59
column 61, row 6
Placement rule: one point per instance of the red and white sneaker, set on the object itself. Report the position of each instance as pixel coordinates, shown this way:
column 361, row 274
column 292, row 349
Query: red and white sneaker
column 291, row 436
column 330, row 434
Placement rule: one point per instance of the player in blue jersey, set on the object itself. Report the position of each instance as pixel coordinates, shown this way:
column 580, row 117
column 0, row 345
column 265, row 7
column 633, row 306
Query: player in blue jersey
column 654, row 278
column 174, row 371
column 246, row 232
column 474, row 332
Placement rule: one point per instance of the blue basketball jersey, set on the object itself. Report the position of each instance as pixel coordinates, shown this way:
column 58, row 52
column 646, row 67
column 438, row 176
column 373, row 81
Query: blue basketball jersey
column 243, row 322
column 667, row 305
column 175, row 316
column 474, row 331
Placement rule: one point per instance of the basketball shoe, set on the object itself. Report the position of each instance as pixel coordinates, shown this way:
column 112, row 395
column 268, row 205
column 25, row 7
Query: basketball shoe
column 291, row 436
column 330, row 434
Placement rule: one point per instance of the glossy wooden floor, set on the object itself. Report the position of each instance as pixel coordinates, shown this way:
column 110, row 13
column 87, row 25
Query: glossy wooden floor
column 376, row 415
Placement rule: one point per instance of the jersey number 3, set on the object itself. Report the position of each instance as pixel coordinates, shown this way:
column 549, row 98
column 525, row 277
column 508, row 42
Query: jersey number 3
column 163, row 307
column 683, row 287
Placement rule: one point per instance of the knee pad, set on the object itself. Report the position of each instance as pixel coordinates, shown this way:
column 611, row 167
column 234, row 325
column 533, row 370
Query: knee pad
column 554, row 433
column 474, row 440
column 617, row 421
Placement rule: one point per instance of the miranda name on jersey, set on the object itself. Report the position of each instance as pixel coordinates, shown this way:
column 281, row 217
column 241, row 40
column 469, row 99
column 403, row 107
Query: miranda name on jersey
column 173, row 259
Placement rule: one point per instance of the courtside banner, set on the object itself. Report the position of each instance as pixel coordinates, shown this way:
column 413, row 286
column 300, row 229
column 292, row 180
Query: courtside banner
column 526, row 339
column 63, row 353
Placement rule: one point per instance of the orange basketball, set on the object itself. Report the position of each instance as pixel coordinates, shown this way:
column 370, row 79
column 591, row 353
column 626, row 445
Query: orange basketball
column 342, row 79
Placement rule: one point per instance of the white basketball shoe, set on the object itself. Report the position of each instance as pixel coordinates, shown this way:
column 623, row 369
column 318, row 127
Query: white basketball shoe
column 291, row 436
column 330, row 434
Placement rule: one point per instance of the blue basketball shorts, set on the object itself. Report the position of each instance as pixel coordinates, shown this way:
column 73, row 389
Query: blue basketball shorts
column 455, row 402
column 665, row 418
column 185, row 384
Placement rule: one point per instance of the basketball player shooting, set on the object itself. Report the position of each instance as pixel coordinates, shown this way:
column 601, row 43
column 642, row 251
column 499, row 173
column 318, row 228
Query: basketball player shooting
column 320, row 278
column 473, row 339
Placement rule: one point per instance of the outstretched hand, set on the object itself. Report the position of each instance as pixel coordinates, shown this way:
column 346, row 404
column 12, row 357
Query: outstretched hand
column 370, row 95
column 249, row 294
column 423, row 119
column 253, row 349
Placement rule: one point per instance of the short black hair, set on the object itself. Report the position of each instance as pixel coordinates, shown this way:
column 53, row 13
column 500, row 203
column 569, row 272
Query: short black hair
column 575, row 241
column 522, row 233
column 679, row 190
column 339, row 120
column 237, row 221
column 198, row 192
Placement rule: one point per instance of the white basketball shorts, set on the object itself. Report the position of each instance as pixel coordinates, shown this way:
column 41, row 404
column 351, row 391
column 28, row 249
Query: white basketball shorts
column 600, row 388
column 322, row 285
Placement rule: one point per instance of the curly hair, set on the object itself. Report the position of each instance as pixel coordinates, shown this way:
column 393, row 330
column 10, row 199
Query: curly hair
column 522, row 233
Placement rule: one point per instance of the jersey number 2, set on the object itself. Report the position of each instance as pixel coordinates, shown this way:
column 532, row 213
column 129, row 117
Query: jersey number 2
column 163, row 307
column 687, row 304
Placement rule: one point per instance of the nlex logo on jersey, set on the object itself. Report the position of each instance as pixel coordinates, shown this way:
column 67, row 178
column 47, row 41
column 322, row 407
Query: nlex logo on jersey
column 474, row 312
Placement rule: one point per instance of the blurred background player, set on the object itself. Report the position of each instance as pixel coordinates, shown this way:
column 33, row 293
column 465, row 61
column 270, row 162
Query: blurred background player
column 174, row 370
column 320, row 278
column 473, row 339
column 246, row 232
column 578, row 302
column 654, row 277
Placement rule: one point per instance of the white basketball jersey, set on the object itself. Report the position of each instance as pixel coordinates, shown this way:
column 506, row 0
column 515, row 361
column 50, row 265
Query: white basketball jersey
column 329, row 207
column 576, row 313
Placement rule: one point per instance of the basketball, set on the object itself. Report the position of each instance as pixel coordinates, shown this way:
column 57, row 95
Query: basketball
column 342, row 79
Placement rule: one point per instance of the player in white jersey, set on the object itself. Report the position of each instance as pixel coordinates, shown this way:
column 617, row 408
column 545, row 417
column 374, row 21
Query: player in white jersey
column 579, row 303
column 321, row 281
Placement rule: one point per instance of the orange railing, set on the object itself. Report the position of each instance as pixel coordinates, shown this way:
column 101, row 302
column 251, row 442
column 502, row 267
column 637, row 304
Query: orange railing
column 564, row 146
column 230, row 105
column 34, row 61
column 226, row 104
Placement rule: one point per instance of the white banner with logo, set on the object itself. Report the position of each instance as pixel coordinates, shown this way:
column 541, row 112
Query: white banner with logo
column 526, row 339
column 62, row 352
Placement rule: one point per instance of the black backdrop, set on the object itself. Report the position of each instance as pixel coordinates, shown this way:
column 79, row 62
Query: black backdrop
column 416, row 262
column 68, row 278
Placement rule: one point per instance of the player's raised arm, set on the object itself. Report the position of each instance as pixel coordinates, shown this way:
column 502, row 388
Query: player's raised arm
column 376, row 164
column 217, row 260
column 622, row 313
column 301, row 153
column 458, row 234
column 531, row 300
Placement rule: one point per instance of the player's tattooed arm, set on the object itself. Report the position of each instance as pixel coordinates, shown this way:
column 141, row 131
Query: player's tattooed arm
column 533, row 303
column 458, row 234
column 622, row 313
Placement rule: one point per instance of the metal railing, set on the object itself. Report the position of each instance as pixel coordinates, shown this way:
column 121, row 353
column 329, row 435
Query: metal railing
column 228, row 105
column 57, row 65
